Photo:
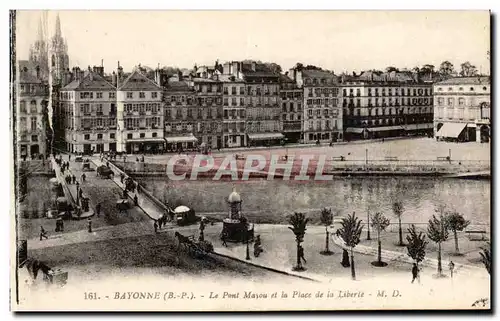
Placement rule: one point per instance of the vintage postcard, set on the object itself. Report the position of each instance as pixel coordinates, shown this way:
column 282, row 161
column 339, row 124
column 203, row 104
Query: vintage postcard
column 250, row 160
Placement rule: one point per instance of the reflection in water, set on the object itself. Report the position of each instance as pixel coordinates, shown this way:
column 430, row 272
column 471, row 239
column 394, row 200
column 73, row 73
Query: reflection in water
column 271, row 201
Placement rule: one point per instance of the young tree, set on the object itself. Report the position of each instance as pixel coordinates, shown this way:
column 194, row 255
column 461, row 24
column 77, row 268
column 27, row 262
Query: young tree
column 397, row 208
column 326, row 220
column 299, row 223
column 486, row 256
column 438, row 233
column 350, row 232
column 456, row 222
column 446, row 68
column 379, row 223
column 416, row 244
column 468, row 70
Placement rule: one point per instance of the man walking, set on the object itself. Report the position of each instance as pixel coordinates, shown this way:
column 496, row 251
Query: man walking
column 98, row 209
column 452, row 268
column 224, row 238
column 43, row 233
column 155, row 225
column 89, row 222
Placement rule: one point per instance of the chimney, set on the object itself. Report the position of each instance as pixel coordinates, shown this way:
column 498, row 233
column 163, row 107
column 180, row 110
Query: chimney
column 113, row 79
column 235, row 68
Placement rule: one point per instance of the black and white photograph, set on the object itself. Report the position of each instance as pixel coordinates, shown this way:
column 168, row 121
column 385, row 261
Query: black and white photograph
column 182, row 160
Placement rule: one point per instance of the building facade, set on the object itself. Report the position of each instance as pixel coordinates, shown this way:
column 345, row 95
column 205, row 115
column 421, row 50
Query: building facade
column 291, row 102
column 182, row 115
column 139, row 115
column 462, row 109
column 322, row 105
column 263, row 112
column 234, row 109
column 88, row 109
column 386, row 105
column 31, row 113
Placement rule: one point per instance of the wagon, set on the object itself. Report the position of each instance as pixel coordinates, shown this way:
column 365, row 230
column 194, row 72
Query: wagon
column 78, row 159
column 184, row 215
column 104, row 172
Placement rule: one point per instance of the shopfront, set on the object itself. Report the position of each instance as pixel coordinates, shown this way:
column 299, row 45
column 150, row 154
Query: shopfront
column 181, row 143
column 265, row 139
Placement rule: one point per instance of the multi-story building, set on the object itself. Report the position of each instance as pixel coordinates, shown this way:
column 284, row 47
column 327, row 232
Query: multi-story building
column 262, row 117
column 291, row 100
column 386, row 105
column 182, row 114
column 462, row 109
column 139, row 115
column 233, row 88
column 322, row 101
column 32, row 113
column 208, row 125
column 88, row 109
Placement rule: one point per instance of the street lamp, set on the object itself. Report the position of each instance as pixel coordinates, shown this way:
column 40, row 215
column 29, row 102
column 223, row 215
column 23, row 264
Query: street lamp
column 246, row 240
column 368, row 225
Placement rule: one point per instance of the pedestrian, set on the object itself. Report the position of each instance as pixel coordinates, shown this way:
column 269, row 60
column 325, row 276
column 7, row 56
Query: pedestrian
column 414, row 273
column 98, row 209
column 57, row 224
column 69, row 157
column 121, row 178
column 452, row 268
column 301, row 254
column 155, row 225
column 125, row 194
column 43, row 233
column 89, row 223
column 83, row 177
column 74, row 179
column 223, row 238
column 136, row 201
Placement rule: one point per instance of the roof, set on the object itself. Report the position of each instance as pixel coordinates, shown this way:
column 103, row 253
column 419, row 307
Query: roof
column 177, row 85
column 91, row 81
column 477, row 80
column 181, row 209
column 230, row 78
column 317, row 73
column 26, row 77
column 138, row 81
column 285, row 78
column 234, row 197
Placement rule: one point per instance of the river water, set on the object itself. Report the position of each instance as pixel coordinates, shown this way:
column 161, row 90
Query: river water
column 272, row 201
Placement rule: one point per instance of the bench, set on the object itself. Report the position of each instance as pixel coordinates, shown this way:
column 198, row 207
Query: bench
column 339, row 158
column 471, row 234
column 391, row 158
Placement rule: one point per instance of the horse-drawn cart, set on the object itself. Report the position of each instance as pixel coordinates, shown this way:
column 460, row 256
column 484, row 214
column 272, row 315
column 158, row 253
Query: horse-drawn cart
column 195, row 249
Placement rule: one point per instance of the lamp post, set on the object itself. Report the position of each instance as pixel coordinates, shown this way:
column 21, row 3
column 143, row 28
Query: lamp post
column 368, row 226
column 77, row 194
column 248, row 249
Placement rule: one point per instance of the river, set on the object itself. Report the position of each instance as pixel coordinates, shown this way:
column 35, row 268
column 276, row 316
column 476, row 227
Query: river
column 272, row 201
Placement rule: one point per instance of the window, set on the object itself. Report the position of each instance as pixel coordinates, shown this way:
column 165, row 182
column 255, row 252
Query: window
column 129, row 136
column 142, row 135
column 471, row 88
column 242, row 90
column 155, row 134
column 86, row 137
column 33, row 123
column 142, row 94
column 23, row 106
column 450, row 101
column 130, row 95
column 112, row 95
column 461, row 101
column 154, row 95
column 98, row 95
column 99, row 136
column 34, row 138
column 484, row 88
column 33, row 106
column 112, row 136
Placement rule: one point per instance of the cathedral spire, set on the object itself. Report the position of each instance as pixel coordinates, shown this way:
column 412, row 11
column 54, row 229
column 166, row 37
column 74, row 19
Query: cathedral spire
column 58, row 27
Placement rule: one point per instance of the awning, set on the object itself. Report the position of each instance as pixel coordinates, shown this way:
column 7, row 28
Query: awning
column 146, row 140
column 354, row 130
column 181, row 139
column 451, row 130
column 265, row 136
column 385, row 128
column 418, row 126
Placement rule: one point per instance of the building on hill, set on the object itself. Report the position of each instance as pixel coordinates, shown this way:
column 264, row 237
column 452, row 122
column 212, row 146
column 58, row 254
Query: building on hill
column 322, row 104
column 31, row 112
column 462, row 109
column 378, row 104
column 139, row 115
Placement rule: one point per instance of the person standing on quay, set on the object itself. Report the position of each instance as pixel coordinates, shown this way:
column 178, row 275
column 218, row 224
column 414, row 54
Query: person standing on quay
column 155, row 225
column 43, row 233
column 452, row 268
column 98, row 209
column 89, row 222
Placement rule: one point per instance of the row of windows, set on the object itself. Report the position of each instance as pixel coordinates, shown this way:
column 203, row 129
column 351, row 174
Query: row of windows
column 148, row 122
column 321, row 101
column 461, row 89
column 141, row 108
column 408, row 101
column 326, row 113
column 389, row 122
column 234, row 90
column 232, row 113
column 200, row 101
column 451, row 101
column 88, row 123
column 22, row 106
column 210, row 113
column 323, row 125
column 291, row 107
column 291, row 95
column 88, row 95
column 390, row 111
column 319, row 81
column 208, row 88
column 382, row 92
column 292, row 117
column 34, row 138
column 142, row 95
column 33, row 122
column 322, row 91
column 99, row 136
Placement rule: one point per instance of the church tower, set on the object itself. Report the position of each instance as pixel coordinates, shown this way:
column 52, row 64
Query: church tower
column 39, row 50
column 58, row 55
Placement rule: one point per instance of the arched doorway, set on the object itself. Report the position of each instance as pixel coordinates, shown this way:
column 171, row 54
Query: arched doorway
column 485, row 133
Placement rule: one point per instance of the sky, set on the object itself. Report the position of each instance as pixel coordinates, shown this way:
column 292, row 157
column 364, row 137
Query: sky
column 335, row 40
